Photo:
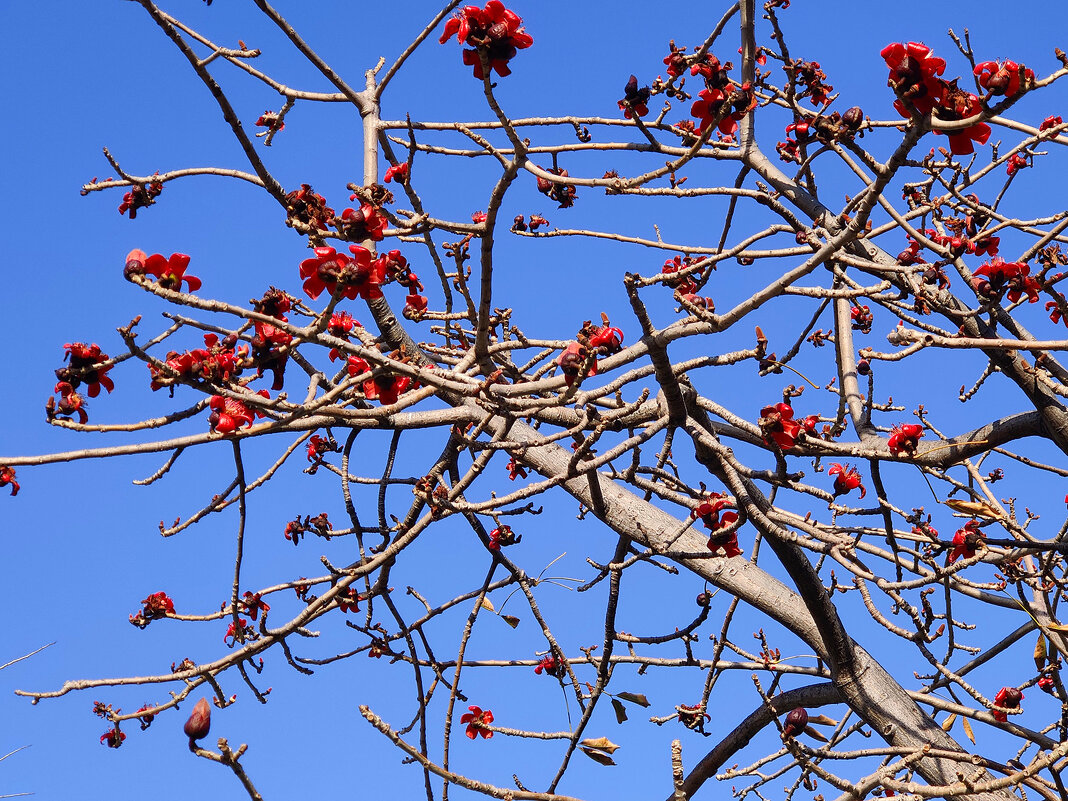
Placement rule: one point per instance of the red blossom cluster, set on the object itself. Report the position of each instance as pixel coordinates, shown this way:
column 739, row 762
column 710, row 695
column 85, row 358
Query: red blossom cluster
column 502, row 537
column 592, row 342
column 494, row 32
column 996, row 276
column 216, row 361
column 398, row 171
column 550, row 666
column 358, row 276
column 366, row 222
column 810, row 78
column 309, row 208
column 684, row 285
column 914, row 78
column 563, row 194
column 156, row 606
column 723, row 107
column 777, row 424
column 270, row 120
column 253, row 604
column 635, row 99
column 239, row 631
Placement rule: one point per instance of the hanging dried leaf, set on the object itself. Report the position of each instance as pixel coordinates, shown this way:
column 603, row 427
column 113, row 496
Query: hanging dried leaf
column 634, row 698
column 968, row 729
column 823, row 720
column 511, row 620
column 814, row 733
column 597, row 756
column 1040, row 652
column 947, row 724
column 486, row 604
column 621, row 711
column 602, row 743
column 975, row 509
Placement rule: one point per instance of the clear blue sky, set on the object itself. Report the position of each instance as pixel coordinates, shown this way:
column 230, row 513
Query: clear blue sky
column 82, row 546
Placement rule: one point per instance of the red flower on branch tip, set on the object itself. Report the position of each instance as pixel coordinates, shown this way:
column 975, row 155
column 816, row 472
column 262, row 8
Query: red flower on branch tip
column 145, row 716
column 635, row 99
column 308, row 207
column 730, row 106
column 349, row 600
column 1002, row 78
column 112, row 738
column 238, row 631
column 476, row 720
column 7, row 479
column 862, row 319
column 777, row 424
column 415, row 306
column 168, row 272
column 398, row 171
column 1009, row 698
column 957, row 104
column 271, row 121
column 1016, row 162
column 366, row 222
column 848, row 479
column 913, row 76
column 572, row 360
column 70, row 404
column 966, row 541
column 86, row 364
column 230, row 414
column 550, row 666
column 156, row 606
column 493, row 30
column 684, row 284
column 708, row 512
column 384, row 387
column 904, row 438
column 478, row 217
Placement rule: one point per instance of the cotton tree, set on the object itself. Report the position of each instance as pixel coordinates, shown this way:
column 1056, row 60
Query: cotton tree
column 749, row 439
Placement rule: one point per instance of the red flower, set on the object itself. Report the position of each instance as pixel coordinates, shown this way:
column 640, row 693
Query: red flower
column 965, row 541
column 476, row 719
column 493, row 30
column 848, row 479
column 70, row 403
column 86, row 364
column 1047, row 685
column 571, row 360
column 308, row 207
column 1050, row 122
column 157, row 606
column 635, row 99
column 913, row 72
column 212, row 362
column 239, row 631
column 710, row 104
column 958, row 105
column 7, row 478
column 502, row 537
column 550, row 666
column 1016, row 162
column 1009, row 698
column 271, row 121
column 415, row 306
column 516, row 470
column 478, row 217
column 606, row 340
column 349, row 600
column 147, row 717
column 385, row 388
column 904, row 438
column 862, row 319
column 140, row 197
column 230, row 414
column 398, row 171
column 254, row 604
column 366, row 222
column 318, row 447
column 777, row 425
column 564, row 194
column 685, row 285
column 358, row 276
column 1002, row 78
column 112, row 738
column 708, row 511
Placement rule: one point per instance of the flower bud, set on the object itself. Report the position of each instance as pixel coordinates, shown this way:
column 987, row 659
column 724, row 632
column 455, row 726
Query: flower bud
column 795, row 722
column 199, row 722
column 853, row 117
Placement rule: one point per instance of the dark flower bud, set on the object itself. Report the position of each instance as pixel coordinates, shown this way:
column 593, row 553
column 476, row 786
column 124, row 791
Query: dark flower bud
column 863, row 367
column 853, row 117
column 199, row 723
column 795, row 722
column 704, row 599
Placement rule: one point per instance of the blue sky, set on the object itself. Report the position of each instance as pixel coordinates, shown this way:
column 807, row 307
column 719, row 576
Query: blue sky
column 82, row 543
